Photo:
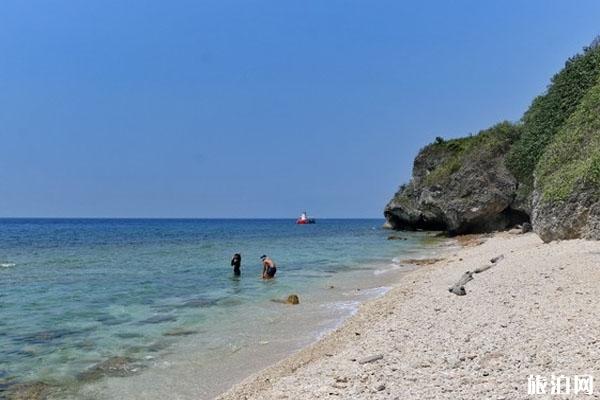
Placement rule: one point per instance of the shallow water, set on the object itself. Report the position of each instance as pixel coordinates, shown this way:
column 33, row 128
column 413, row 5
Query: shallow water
column 148, row 308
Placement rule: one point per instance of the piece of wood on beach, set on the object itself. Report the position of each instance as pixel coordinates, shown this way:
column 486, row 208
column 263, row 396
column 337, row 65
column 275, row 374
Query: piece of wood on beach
column 497, row 259
column 459, row 287
column 370, row 359
column 482, row 269
column 494, row 261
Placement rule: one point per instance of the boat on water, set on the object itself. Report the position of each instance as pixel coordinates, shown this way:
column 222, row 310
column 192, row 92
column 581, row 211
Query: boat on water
column 304, row 219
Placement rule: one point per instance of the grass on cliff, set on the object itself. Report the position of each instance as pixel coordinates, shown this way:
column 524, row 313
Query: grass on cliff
column 572, row 161
column 549, row 112
column 487, row 144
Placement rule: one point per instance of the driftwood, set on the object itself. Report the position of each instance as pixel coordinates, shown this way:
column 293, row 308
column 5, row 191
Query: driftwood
column 496, row 260
column 493, row 262
column 370, row 359
column 459, row 287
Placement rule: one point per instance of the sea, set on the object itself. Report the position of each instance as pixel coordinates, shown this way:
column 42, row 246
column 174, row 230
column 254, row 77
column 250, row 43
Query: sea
column 150, row 308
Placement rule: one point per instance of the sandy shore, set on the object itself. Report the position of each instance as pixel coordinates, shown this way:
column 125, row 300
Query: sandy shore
column 533, row 313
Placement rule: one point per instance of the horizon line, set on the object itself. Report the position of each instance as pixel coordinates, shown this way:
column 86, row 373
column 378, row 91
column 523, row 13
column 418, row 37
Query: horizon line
column 186, row 218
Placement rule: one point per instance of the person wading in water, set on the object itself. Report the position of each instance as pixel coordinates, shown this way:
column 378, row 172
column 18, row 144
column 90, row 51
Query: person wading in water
column 236, row 263
column 269, row 268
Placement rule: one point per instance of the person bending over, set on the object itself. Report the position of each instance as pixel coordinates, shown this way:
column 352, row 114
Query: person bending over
column 269, row 268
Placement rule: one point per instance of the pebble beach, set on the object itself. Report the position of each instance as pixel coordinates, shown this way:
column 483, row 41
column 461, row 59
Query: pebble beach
column 533, row 313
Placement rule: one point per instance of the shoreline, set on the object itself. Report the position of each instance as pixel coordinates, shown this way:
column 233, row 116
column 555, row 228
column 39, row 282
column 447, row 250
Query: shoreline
column 420, row 341
column 332, row 339
column 188, row 370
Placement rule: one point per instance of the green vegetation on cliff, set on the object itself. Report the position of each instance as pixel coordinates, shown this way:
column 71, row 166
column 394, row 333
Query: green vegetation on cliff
column 548, row 112
column 572, row 161
column 487, row 144
column 545, row 168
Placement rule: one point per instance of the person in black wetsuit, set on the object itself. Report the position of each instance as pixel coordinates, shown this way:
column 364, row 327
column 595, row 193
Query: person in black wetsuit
column 269, row 268
column 236, row 263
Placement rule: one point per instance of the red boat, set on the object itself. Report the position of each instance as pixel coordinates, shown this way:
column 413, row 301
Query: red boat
column 304, row 220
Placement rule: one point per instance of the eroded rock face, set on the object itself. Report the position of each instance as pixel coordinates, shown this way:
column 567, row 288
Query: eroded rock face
column 576, row 217
column 474, row 196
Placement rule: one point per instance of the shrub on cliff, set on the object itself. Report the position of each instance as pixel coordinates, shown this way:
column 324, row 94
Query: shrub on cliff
column 572, row 161
column 487, row 144
column 548, row 112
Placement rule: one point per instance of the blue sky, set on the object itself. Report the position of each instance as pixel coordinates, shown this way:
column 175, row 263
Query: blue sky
column 256, row 108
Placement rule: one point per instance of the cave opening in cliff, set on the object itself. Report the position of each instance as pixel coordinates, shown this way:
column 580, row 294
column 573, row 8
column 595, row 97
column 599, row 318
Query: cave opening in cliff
column 421, row 224
column 515, row 217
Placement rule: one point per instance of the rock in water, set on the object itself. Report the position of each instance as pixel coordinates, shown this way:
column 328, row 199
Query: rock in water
column 293, row 299
column 114, row 366
column 28, row 391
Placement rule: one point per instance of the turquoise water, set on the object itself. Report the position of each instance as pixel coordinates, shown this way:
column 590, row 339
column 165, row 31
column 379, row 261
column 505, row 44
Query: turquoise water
column 75, row 293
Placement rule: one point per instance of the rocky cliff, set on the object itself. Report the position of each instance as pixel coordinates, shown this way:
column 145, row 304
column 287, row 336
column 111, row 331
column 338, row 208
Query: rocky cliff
column 566, row 198
column 461, row 186
column 545, row 168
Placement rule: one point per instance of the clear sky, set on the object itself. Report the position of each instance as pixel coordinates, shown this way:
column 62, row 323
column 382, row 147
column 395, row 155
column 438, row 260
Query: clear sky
column 256, row 108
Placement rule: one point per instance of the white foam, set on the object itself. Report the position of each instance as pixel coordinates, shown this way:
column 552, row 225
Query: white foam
column 346, row 306
column 7, row 265
column 392, row 267
column 376, row 291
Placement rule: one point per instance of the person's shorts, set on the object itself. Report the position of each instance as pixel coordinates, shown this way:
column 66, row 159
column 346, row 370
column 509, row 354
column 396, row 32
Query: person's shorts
column 271, row 271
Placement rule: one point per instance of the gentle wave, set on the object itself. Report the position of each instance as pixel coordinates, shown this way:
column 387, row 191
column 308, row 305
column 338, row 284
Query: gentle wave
column 347, row 306
column 376, row 291
column 392, row 267
column 7, row 265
